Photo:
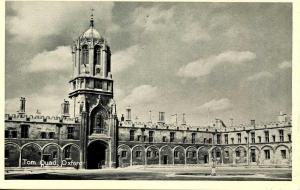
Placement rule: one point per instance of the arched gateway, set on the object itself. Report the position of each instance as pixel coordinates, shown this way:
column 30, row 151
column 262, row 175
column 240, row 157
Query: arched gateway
column 97, row 154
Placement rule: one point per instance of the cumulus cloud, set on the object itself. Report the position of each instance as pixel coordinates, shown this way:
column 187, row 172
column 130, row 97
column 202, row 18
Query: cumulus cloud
column 260, row 75
column 285, row 65
column 216, row 105
column 36, row 20
column 124, row 59
column 202, row 67
column 56, row 60
column 152, row 19
column 141, row 95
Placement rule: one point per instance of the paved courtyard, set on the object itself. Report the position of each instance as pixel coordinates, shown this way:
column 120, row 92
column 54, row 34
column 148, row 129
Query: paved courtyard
column 154, row 173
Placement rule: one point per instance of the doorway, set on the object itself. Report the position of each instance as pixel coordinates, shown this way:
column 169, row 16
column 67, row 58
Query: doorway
column 253, row 155
column 96, row 155
column 205, row 159
column 165, row 159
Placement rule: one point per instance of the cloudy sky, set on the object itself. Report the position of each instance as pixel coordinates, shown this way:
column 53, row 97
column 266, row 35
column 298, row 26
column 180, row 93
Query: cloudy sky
column 208, row 60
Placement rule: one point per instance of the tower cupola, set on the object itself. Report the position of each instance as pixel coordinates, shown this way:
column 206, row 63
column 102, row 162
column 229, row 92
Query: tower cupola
column 91, row 66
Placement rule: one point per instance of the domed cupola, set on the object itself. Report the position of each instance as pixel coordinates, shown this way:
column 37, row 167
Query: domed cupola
column 92, row 33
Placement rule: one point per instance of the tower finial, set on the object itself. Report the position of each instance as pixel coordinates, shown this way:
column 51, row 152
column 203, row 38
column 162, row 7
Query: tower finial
column 92, row 18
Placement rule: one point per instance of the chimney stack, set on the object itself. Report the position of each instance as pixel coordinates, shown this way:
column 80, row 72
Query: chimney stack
column 231, row 122
column 252, row 122
column 183, row 119
column 128, row 116
column 282, row 117
column 161, row 117
column 65, row 108
column 22, row 105
column 150, row 116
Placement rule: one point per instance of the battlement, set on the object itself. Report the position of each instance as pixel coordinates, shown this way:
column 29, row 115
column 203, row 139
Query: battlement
column 262, row 125
column 162, row 126
column 40, row 118
column 210, row 128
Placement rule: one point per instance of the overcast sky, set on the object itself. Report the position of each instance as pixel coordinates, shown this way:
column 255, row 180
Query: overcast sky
column 233, row 59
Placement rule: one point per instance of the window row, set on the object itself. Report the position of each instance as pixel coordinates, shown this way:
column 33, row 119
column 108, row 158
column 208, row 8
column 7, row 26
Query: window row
column 86, row 83
column 13, row 133
column 172, row 137
column 259, row 138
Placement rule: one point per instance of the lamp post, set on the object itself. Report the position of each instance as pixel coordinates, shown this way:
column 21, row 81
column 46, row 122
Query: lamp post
column 213, row 167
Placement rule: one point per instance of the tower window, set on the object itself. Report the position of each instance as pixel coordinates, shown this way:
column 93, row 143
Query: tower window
column 85, row 55
column 99, row 125
column 97, row 55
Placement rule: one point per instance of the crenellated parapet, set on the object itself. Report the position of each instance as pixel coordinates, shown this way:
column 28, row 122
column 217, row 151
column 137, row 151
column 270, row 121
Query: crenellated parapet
column 40, row 118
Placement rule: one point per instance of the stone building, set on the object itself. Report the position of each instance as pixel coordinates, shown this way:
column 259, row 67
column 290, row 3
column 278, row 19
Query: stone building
column 93, row 137
column 266, row 144
column 89, row 138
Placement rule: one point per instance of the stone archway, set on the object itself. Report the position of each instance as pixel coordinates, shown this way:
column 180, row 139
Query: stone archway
column 97, row 155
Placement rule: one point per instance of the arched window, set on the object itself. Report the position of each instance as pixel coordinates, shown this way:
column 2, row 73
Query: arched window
column 85, row 55
column 99, row 125
column 97, row 53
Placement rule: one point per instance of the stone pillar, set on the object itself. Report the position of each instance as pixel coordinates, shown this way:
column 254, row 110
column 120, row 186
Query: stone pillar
column 159, row 161
column 145, row 160
column 78, row 59
column 20, row 158
column 173, row 156
column 104, row 58
column 131, row 157
column 91, row 60
column 185, row 157
column 233, row 157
